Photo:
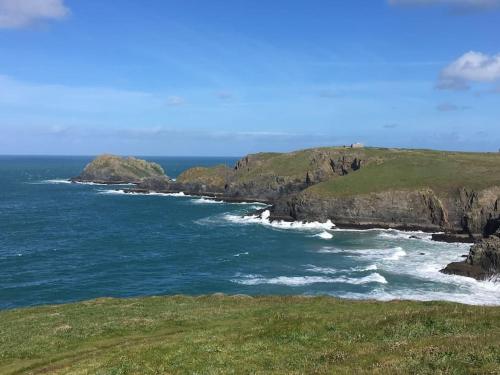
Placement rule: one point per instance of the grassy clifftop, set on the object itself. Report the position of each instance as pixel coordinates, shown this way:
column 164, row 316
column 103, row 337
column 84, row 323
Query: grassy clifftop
column 243, row 335
column 413, row 169
column 337, row 171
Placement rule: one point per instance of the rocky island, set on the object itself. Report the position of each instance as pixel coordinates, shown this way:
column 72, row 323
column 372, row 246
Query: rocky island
column 455, row 193
column 111, row 169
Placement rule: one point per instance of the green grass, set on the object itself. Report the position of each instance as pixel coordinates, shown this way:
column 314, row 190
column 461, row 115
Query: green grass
column 243, row 335
column 444, row 172
column 383, row 169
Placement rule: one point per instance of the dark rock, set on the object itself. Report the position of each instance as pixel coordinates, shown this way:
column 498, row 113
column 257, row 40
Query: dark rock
column 467, row 270
column 482, row 263
column 452, row 237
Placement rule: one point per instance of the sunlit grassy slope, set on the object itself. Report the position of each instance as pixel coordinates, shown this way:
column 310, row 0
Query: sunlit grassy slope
column 382, row 169
column 414, row 169
column 243, row 335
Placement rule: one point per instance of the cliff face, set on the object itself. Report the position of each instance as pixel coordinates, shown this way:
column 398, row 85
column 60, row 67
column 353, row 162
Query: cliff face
column 269, row 176
column 468, row 211
column 419, row 189
column 395, row 209
column 110, row 169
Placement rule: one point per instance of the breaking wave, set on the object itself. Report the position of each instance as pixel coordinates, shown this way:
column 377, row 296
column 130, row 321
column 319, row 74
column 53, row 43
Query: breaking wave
column 263, row 219
column 331, row 271
column 324, row 235
column 133, row 193
column 295, row 281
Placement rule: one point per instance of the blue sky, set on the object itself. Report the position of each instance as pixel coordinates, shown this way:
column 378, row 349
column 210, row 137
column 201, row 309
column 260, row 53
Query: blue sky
column 186, row 77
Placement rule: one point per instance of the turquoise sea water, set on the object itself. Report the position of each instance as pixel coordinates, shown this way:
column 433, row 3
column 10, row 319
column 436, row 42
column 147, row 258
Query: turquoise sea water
column 62, row 242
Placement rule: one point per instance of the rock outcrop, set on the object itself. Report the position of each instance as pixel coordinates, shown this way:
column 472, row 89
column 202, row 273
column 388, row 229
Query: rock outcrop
column 482, row 263
column 268, row 176
column 470, row 212
column 110, row 169
column 420, row 209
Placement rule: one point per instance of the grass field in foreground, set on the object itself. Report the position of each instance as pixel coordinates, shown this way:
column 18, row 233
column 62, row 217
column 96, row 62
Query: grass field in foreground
column 244, row 335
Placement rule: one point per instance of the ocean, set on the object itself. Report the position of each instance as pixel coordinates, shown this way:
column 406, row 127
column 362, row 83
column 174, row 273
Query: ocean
column 62, row 242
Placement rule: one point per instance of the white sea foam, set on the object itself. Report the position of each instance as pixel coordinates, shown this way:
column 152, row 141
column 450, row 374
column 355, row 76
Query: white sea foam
column 422, row 260
column 59, row 181
column 134, row 193
column 371, row 267
column 393, row 254
column 481, row 293
column 324, row 235
column 263, row 219
column 331, row 250
column 294, row 281
column 55, row 181
column 323, row 270
column 331, row 271
column 392, row 233
column 211, row 200
column 204, row 200
column 397, row 235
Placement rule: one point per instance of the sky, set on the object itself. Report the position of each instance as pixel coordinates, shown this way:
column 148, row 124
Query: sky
column 227, row 78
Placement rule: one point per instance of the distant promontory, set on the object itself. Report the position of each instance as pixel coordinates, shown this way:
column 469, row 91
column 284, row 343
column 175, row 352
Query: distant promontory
column 111, row 169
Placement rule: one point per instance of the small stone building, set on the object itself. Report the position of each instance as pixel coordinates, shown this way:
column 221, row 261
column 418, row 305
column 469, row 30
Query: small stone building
column 357, row 145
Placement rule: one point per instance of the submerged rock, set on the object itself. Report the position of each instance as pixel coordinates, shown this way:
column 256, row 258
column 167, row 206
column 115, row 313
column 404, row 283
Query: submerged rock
column 482, row 263
column 110, row 169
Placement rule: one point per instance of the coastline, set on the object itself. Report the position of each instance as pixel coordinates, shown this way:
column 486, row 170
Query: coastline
column 449, row 237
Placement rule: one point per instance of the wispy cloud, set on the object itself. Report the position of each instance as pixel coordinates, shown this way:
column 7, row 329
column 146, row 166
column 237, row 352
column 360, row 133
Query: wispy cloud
column 175, row 101
column 454, row 4
column 468, row 68
column 449, row 107
column 22, row 13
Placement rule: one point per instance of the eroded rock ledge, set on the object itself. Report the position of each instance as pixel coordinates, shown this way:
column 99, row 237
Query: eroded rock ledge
column 482, row 263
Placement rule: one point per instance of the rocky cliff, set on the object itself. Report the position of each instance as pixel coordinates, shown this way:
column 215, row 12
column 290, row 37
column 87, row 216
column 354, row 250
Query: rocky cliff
column 475, row 213
column 270, row 176
column 482, row 263
column 110, row 169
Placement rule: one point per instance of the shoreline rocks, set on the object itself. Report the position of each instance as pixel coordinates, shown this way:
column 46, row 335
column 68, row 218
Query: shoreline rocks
column 482, row 263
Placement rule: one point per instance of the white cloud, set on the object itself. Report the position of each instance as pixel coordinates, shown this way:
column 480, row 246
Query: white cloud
column 458, row 4
column 175, row 101
column 21, row 13
column 470, row 67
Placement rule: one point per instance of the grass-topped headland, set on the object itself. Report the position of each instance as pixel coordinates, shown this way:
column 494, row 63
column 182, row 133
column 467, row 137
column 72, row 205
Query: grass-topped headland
column 245, row 335
column 397, row 169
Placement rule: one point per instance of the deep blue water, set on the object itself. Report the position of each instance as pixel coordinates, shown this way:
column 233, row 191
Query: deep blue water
column 63, row 242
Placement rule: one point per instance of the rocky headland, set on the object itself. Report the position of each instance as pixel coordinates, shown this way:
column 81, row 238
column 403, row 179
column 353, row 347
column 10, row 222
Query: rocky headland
column 111, row 169
column 456, row 194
